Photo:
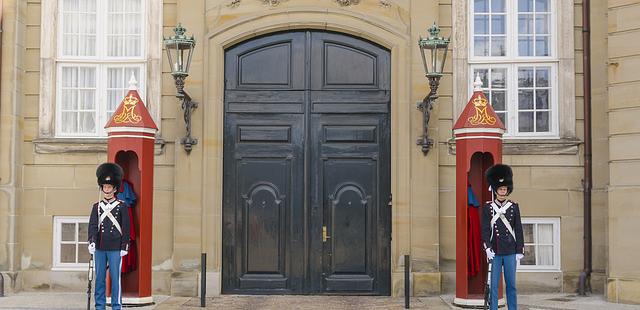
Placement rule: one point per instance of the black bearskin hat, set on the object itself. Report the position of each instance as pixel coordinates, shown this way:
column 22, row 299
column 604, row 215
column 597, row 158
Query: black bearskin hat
column 500, row 175
column 109, row 173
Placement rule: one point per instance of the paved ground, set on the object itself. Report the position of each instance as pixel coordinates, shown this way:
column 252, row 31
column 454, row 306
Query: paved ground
column 59, row 301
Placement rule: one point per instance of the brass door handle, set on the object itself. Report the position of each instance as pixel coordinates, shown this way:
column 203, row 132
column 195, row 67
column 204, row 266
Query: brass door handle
column 324, row 234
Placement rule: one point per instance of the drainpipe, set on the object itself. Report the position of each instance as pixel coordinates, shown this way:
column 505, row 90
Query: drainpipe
column 1, row 277
column 585, row 276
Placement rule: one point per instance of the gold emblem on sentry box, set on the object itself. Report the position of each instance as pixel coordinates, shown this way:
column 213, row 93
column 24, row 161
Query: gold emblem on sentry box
column 127, row 115
column 481, row 117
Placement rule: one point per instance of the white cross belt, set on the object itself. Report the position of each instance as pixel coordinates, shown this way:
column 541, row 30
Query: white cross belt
column 499, row 213
column 106, row 212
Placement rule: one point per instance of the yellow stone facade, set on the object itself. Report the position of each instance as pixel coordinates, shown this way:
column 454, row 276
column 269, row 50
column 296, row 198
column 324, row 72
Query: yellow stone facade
column 42, row 176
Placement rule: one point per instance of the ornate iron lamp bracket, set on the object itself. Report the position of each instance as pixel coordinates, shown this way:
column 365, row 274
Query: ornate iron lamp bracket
column 188, row 105
column 425, row 106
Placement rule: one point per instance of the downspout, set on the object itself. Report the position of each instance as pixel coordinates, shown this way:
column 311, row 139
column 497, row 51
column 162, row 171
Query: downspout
column 1, row 29
column 585, row 276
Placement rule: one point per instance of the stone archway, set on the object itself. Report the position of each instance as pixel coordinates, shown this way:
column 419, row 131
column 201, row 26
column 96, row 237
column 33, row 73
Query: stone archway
column 391, row 36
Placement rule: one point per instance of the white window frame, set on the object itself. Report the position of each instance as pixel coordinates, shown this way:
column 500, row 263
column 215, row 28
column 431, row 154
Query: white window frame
column 512, row 38
column 101, row 44
column 101, row 62
column 57, row 241
column 511, row 100
column 512, row 61
column 150, row 82
column 101, row 98
column 555, row 222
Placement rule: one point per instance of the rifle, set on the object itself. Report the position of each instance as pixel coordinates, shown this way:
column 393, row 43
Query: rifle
column 89, row 285
column 487, row 288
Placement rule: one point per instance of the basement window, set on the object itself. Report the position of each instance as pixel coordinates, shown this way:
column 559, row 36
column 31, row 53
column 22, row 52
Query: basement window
column 70, row 243
column 541, row 244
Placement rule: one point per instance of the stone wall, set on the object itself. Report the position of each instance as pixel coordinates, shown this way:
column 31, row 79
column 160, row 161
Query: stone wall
column 41, row 177
column 623, row 276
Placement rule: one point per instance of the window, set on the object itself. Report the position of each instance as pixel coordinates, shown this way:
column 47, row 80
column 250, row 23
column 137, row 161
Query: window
column 541, row 244
column 70, row 242
column 100, row 44
column 512, row 50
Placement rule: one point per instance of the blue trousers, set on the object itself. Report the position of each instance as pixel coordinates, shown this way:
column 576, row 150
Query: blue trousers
column 509, row 263
column 115, row 265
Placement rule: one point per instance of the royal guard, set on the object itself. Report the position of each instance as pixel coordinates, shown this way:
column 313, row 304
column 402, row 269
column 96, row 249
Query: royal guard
column 108, row 234
column 502, row 234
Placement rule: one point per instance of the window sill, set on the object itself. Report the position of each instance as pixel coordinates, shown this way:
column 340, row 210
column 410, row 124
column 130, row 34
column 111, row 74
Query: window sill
column 81, row 145
column 561, row 146
column 532, row 270
column 71, row 268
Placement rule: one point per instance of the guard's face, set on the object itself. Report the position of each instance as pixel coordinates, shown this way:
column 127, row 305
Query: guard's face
column 502, row 191
column 108, row 189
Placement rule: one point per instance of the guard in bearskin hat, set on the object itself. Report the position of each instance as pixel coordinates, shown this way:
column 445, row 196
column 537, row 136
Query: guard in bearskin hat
column 108, row 234
column 502, row 236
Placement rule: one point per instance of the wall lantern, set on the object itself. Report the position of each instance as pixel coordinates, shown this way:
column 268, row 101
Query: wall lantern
column 179, row 51
column 436, row 47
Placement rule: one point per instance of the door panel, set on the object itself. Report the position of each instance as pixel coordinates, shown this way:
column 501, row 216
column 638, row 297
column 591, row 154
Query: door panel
column 271, row 62
column 343, row 62
column 347, row 186
column 263, row 203
column 353, row 178
column 306, row 147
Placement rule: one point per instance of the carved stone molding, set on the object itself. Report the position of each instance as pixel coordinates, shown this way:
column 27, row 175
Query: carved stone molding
column 236, row 3
column 272, row 2
column 347, row 2
column 81, row 145
column 562, row 146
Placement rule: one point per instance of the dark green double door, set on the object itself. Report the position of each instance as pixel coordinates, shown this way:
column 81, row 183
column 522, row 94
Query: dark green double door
column 306, row 166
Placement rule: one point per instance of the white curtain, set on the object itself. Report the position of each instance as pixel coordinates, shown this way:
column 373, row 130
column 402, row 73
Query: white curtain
column 545, row 244
column 79, row 27
column 78, row 99
column 124, row 30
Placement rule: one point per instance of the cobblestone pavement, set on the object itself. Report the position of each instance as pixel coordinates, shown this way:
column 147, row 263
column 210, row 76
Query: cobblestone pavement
column 60, row 301
column 238, row 302
column 525, row 302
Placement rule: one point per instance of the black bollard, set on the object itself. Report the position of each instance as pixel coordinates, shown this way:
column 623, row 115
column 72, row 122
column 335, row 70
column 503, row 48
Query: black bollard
column 203, row 278
column 407, row 283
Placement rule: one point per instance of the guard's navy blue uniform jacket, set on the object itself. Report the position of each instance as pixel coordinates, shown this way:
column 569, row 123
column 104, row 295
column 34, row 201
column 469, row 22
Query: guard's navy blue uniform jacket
column 106, row 236
column 502, row 242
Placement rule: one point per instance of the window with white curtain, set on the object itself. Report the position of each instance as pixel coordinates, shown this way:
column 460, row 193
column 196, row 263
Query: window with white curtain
column 101, row 44
column 512, row 50
column 70, row 236
column 541, row 244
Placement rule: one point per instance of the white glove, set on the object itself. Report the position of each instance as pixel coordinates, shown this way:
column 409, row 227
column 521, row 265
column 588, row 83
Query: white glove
column 490, row 254
column 519, row 257
column 92, row 248
column 123, row 253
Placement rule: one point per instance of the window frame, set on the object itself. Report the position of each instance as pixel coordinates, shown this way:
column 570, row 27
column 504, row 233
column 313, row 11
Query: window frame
column 57, row 241
column 49, row 136
column 512, row 62
column 512, row 38
column 101, row 38
column 555, row 222
column 511, row 100
column 101, row 94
